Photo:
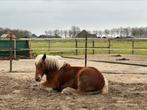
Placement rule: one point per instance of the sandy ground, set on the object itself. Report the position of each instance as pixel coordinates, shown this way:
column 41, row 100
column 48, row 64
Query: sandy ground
column 127, row 88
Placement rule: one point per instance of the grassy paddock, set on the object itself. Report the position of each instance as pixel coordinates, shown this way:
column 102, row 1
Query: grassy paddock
column 68, row 47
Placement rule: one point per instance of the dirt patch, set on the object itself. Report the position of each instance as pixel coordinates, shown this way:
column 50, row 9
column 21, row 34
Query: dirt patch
column 137, row 59
column 16, row 94
column 127, row 89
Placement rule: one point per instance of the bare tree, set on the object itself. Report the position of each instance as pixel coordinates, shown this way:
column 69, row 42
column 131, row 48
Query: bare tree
column 121, row 32
column 61, row 32
column 126, row 32
column 70, row 33
column 99, row 33
column 106, row 32
column 95, row 32
column 75, row 30
column 65, row 33
column 56, row 32
column 49, row 32
column 112, row 32
column 137, row 32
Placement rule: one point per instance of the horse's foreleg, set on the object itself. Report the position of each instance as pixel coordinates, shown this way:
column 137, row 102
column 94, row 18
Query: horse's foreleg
column 45, row 86
column 69, row 91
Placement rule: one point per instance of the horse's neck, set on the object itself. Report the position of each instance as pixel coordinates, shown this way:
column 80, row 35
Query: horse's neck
column 66, row 65
column 51, row 75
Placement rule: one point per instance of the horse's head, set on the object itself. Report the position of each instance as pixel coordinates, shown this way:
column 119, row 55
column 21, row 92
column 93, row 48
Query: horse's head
column 40, row 67
column 46, row 64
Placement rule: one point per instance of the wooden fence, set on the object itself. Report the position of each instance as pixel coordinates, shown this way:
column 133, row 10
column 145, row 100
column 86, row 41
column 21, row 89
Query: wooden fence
column 77, row 46
column 94, row 46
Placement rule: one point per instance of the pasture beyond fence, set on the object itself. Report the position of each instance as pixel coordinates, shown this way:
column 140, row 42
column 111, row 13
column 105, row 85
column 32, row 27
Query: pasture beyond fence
column 66, row 47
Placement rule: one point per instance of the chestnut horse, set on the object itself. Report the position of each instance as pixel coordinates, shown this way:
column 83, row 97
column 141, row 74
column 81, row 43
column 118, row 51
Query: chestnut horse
column 61, row 75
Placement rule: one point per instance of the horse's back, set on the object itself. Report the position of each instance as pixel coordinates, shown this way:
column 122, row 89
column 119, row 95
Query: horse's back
column 90, row 79
column 87, row 79
column 68, row 76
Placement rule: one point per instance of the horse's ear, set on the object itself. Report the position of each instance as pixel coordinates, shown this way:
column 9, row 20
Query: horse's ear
column 44, row 57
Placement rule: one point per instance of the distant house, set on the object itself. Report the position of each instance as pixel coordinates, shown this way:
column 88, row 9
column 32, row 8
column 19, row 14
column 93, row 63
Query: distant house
column 43, row 36
column 83, row 33
column 7, row 36
column 4, row 36
column 48, row 36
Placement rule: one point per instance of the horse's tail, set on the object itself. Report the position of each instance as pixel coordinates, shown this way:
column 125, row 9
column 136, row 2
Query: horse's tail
column 105, row 88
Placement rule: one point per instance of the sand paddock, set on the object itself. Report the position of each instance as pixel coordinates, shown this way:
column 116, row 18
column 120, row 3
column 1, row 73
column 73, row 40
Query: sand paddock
column 19, row 91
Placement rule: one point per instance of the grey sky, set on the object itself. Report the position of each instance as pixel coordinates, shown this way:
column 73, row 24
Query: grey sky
column 40, row 15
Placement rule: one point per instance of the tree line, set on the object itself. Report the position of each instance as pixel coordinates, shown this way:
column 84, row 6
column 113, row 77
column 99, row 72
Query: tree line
column 71, row 33
column 114, row 32
column 75, row 30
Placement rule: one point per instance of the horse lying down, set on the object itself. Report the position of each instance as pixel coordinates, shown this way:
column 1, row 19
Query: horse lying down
column 63, row 77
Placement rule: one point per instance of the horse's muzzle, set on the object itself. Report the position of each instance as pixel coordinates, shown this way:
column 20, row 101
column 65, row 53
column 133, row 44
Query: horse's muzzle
column 38, row 79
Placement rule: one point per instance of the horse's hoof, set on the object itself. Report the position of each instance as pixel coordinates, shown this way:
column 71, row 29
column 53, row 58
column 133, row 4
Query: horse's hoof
column 41, row 87
column 64, row 92
column 50, row 90
column 68, row 91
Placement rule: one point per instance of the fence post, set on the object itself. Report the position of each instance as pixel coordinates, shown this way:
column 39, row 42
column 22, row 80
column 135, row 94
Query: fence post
column 14, row 47
column 49, row 45
column 76, row 46
column 133, row 46
column 85, row 49
column 93, row 47
column 30, row 48
column 11, row 53
column 109, row 46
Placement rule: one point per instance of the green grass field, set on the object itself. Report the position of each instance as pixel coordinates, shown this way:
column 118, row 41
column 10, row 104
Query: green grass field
column 68, row 47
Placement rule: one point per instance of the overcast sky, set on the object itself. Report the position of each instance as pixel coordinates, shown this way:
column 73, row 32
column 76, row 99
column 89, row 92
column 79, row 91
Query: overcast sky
column 40, row 15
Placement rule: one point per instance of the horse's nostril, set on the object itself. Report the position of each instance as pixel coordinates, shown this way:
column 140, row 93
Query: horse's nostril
column 38, row 79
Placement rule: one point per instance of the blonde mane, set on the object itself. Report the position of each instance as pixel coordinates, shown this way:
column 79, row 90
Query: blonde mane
column 52, row 62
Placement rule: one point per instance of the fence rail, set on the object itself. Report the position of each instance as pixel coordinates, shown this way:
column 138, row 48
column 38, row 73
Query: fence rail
column 77, row 46
column 94, row 46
